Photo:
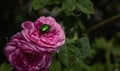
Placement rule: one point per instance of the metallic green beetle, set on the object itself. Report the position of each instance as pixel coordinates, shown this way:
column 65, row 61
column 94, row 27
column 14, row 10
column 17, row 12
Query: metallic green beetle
column 44, row 28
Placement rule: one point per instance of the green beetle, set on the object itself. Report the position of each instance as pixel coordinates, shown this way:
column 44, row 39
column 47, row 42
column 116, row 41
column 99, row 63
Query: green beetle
column 44, row 28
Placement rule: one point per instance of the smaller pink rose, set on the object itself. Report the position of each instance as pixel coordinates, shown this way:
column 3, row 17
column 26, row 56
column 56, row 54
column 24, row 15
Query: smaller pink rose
column 25, row 56
column 44, row 32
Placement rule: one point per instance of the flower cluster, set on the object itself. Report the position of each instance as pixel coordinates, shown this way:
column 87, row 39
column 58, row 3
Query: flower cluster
column 32, row 48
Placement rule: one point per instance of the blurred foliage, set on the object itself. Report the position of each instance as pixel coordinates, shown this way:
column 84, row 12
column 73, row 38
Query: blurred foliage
column 5, row 67
column 77, row 17
column 67, row 6
column 72, row 52
column 104, row 55
column 70, row 55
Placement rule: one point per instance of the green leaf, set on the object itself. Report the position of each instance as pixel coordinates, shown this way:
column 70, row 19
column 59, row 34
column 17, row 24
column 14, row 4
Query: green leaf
column 67, row 55
column 98, row 66
column 5, row 67
column 55, row 66
column 69, row 5
column 79, row 65
column 69, row 41
column 84, row 47
column 98, row 41
column 85, row 6
column 38, row 4
column 56, row 1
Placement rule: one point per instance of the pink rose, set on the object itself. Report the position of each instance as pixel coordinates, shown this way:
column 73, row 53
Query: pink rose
column 44, row 32
column 25, row 56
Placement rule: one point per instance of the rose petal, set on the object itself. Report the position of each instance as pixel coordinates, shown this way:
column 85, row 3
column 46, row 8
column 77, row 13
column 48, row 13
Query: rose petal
column 28, row 25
